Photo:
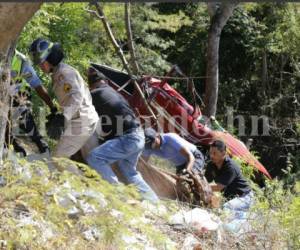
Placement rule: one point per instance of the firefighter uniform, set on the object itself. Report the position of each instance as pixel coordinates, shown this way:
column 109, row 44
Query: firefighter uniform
column 80, row 115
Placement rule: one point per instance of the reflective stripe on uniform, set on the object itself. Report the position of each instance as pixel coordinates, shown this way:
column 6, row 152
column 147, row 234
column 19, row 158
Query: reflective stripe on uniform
column 16, row 67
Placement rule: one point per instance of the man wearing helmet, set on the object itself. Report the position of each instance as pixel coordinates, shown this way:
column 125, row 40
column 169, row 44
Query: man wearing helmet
column 80, row 117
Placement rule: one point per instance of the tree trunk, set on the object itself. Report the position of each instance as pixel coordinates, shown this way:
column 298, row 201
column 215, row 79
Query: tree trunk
column 13, row 17
column 264, row 76
column 219, row 17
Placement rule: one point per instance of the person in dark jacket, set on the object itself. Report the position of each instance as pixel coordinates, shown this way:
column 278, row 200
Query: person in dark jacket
column 121, row 134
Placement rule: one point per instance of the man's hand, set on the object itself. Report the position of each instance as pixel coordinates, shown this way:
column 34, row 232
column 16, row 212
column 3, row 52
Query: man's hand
column 190, row 172
column 43, row 93
column 217, row 187
column 190, row 158
column 22, row 98
column 53, row 110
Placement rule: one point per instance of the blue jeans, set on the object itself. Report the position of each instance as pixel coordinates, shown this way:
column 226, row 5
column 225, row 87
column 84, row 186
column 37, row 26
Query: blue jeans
column 239, row 206
column 242, row 203
column 125, row 150
column 237, row 209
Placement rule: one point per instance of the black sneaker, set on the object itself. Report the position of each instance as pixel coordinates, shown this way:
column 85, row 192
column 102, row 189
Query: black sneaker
column 43, row 146
column 19, row 149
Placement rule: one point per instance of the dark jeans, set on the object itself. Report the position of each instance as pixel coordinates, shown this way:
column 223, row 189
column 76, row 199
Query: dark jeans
column 198, row 164
column 27, row 124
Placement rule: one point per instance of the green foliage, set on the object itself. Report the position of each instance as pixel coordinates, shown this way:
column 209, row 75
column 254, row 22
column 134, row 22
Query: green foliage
column 81, row 35
column 247, row 170
column 291, row 173
column 171, row 23
column 291, row 221
column 277, row 214
column 162, row 163
column 155, row 34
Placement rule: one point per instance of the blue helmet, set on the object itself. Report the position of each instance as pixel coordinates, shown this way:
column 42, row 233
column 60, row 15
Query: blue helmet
column 39, row 50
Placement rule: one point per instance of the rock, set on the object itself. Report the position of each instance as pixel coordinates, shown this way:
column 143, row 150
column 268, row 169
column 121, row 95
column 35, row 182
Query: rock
column 66, row 200
column 136, row 242
column 86, row 207
column 92, row 234
column 137, row 221
column 73, row 212
column 198, row 219
column 3, row 244
column 21, row 211
column 129, row 240
column 2, row 181
column 191, row 243
column 64, row 204
column 45, row 229
column 98, row 196
column 117, row 214
column 154, row 209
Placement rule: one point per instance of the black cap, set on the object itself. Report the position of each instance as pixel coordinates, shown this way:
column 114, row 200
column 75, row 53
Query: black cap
column 220, row 145
column 95, row 75
column 150, row 135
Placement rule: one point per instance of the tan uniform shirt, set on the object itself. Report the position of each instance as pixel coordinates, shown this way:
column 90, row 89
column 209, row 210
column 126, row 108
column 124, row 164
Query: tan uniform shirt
column 76, row 103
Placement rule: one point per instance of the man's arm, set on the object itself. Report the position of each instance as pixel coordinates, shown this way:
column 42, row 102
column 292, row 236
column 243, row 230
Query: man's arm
column 73, row 93
column 35, row 82
column 190, row 158
column 224, row 180
column 42, row 92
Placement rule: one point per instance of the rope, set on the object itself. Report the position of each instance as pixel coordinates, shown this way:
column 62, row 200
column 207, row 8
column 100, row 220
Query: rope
column 179, row 78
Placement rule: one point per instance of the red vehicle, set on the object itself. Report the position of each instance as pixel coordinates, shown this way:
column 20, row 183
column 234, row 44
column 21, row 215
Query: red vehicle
column 174, row 113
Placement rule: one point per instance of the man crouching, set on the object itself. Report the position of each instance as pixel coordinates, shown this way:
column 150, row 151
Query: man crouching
column 228, row 179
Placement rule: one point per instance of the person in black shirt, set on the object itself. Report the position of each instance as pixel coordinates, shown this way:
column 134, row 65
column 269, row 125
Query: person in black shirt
column 116, row 116
column 122, row 136
column 228, row 178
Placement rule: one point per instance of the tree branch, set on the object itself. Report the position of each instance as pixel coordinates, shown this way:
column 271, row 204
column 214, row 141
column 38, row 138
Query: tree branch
column 101, row 16
column 133, row 60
